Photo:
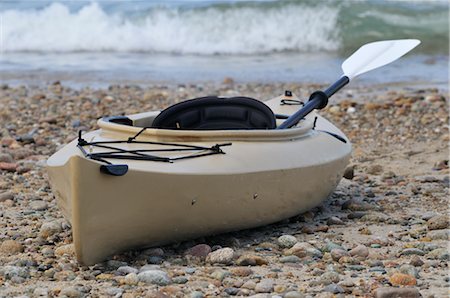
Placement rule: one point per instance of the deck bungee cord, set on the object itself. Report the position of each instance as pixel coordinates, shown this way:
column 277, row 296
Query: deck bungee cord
column 141, row 154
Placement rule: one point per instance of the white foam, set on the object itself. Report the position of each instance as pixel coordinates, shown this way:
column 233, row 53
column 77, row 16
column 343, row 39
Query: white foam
column 233, row 30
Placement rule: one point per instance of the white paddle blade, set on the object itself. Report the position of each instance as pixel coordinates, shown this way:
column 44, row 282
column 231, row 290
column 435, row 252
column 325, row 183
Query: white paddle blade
column 376, row 54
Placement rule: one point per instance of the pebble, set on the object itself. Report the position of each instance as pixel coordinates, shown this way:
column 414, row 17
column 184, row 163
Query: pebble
column 156, row 277
column 220, row 274
column 9, row 272
column 400, row 279
column 439, row 253
column 130, row 279
column 180, row 280
column 337, row 253
column 124, row 270
column 287, row 241
column 196, row 294
column 199, row 250
column 335, row 221
column 66, row 249
column 412, row 251
column 329, row 277
column 439, row 234
column 40, row 292
column 71, row 292
column 11, row 247
column 264, row 286
column 290, row 259
column 38, row 205
column 349, row 172
column 409, row 269
column 360, row 251
column 438, row 222
column 8, row 166
column 293, row 294
column 221, row 256
column 50, row 228
column 251, row 260
column 416, row 261
column 4, row 196
column 391, row 292
column 334, row 288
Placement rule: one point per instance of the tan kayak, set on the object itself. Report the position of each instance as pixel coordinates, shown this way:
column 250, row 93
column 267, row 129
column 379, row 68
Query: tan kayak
column 168, row 185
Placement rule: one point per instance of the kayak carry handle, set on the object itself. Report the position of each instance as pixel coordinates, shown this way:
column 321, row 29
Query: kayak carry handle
column 114, row 170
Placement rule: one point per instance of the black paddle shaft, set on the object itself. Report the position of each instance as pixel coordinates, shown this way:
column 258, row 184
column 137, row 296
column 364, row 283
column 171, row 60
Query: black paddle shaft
column 317, row 100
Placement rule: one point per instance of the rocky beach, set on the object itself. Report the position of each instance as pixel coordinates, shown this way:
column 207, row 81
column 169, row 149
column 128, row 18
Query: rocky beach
column 383, row 233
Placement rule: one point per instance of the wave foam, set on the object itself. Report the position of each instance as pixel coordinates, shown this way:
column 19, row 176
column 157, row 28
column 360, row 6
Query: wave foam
column 212, row 30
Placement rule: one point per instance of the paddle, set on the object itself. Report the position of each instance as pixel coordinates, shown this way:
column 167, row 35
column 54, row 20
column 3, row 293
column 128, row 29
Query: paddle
column 366, row 58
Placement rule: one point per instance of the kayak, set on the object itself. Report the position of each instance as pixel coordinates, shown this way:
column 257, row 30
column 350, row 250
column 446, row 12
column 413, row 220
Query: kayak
column 202, row 167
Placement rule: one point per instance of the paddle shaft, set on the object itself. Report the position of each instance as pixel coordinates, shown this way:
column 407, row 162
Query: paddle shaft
column 316, row 101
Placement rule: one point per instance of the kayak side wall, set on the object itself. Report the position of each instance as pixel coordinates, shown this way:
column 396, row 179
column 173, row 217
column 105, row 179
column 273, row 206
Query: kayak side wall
column 144, row 209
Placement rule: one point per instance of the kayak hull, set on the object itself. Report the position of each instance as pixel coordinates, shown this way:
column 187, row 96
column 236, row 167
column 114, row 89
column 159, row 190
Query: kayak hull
column 252, row 184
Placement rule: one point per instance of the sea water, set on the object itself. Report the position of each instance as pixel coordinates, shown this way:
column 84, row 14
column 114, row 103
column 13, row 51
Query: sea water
column 102, row 42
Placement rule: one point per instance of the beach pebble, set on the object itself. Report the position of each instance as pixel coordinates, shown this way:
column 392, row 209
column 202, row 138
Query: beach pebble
column 72, row 292
column 337, row 253
column 329, row 277
column 249, row 284
column 6, row 158
column 416, row 261
column 439, row 253
column 124, row 270
column 334, row 288
column 199, row 250
column 66, row 249
column 220, row 274
column 294, row 294
column 438, row 222
column 50, row 228
column 38, row 205
column 8, row 166
column 251, row 260
column 401, row 279
column 412, row 251
column 11, row 247
column 130, row 279
column 241, row 271
column 264, row 286
column 409, row 269
column 349, row 172
column 290, row 259
column 391, row 292
column 6, row 196
column 40, row 293
column 196, row 294
column 180, row 280
column 9, row 272
column 221, row 256
column 157, row 277
column 443, row 234
column 287, row 241
column 334, row 221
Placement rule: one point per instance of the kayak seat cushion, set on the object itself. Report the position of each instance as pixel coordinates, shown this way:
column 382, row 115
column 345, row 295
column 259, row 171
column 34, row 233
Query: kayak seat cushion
column 216, row 113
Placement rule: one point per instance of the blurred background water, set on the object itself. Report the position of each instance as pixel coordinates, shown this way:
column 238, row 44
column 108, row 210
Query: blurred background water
column 102, row 42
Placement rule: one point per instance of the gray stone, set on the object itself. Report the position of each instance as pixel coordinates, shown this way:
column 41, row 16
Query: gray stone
column 293, row 294
column 9, row 272
column 38, row 205
column 438, row 222
column 329, row 246
column 149, row 267
column 180, row 280
column 156, row 277
column 409, row 269
column 50, row 228
column 335, row 221
column 40, row 292
column 264, row 286
column 220, row 274
column 334, row 288
column 4, row 196
column 124, row 270
column 392, row 292
column 439, row 234
column 412, row 251
column 287, row 241
column 290, row 259
column 196, row 294
column 329, row 277
column 113, row 291
column 221, row 256
column 439, row 253
column 360, row 251
column 71, row 292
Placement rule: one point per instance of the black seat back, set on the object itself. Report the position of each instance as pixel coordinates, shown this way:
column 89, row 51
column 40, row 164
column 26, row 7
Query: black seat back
column 216, row 113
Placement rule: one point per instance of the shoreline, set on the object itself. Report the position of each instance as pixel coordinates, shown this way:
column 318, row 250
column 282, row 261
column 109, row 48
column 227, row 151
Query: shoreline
column 386, row 226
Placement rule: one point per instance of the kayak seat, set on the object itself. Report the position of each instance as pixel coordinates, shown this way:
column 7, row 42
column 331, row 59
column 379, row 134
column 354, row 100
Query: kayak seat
column 216, row 113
